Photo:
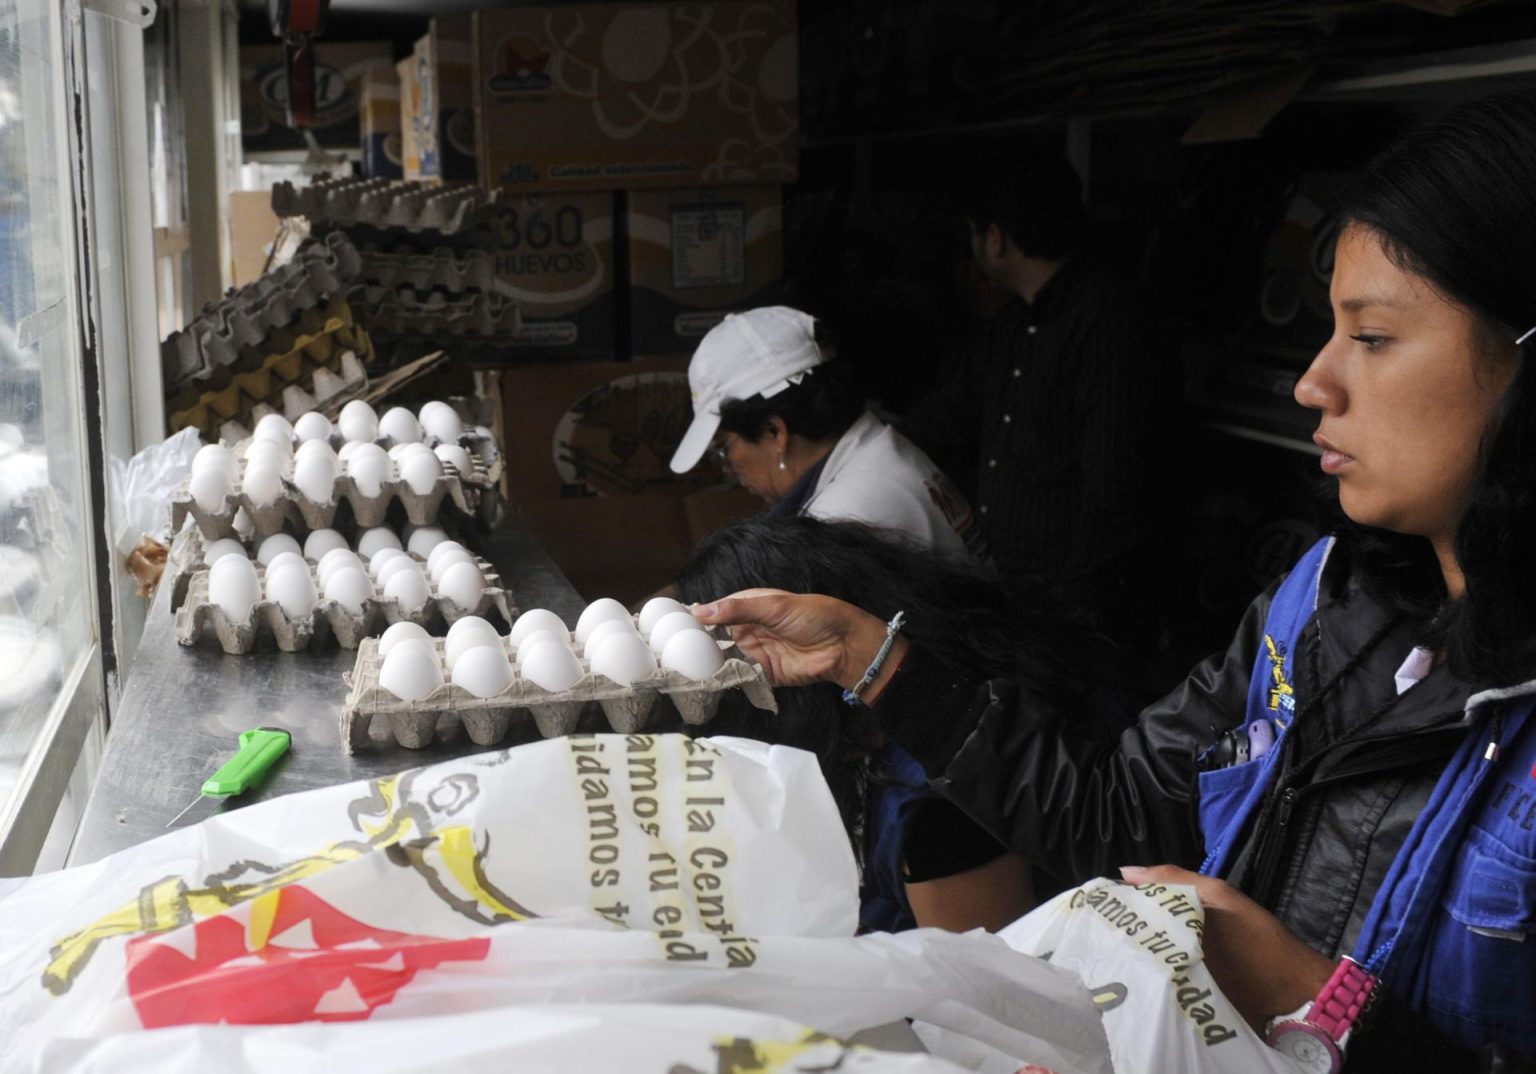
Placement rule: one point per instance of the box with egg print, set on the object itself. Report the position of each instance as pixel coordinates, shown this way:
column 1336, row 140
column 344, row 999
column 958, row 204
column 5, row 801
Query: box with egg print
column 624, row 664
column 302, row 595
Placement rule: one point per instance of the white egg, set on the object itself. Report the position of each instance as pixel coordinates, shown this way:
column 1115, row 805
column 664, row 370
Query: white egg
column 273, row 427
column 209, row 488
column 399, row 425
column 420, row 472
column 286, row 561
column 233, row 586
column 400, row 452
column 463, row 584
column 334, row 560
column 312, row 427
column 349, row 448
column 373, row 540
column 243, row 524
column 224, row 546
column 694, row 654
column 654, row 609
column 603, row 630
column 316, row 448
column 442, row 548
column 483, row 671
column 382, row 556
column 391, row 567
column 537, row 619
column 409, row 589
column 456, row 457
column 368, row 473
column 410, row 672
column 670, row 624
column 464, row 635
column 450, row 559
column 423, row 539
column 439, row 422
column 533, row 638
column 358, row 421
column 315, row 478
column 552, row 667
column 293, row 590
column 216, row 457
column 349, row 587
column 402, row 631
column 594, row 613
column 622, row 657
column 278, row 542
column 319, row 542
column 278, row 452
column 262, row 485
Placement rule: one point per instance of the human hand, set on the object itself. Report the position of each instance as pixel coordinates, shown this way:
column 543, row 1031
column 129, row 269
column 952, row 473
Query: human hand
column 800, row 639
column 1259, row 964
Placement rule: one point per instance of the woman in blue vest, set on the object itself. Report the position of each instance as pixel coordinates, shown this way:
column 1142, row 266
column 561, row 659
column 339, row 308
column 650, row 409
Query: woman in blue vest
column 1355, row 776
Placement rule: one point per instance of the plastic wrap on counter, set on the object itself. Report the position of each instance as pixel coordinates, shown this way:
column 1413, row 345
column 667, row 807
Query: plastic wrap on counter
column 487, row 720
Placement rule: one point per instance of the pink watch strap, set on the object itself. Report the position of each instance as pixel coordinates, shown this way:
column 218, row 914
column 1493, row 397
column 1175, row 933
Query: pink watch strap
column 1342, row 999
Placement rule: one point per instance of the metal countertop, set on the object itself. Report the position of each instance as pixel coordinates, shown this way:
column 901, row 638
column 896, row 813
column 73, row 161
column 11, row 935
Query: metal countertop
column 183, row 707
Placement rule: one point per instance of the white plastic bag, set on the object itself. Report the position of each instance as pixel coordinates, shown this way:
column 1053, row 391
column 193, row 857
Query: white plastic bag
column 144, row 486
column 1138, row 952
column 595, row 869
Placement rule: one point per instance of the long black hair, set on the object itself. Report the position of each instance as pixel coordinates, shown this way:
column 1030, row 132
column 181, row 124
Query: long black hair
column 956, row 610
column 1455, row 203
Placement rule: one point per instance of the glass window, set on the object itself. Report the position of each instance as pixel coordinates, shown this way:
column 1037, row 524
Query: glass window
column 47, row 609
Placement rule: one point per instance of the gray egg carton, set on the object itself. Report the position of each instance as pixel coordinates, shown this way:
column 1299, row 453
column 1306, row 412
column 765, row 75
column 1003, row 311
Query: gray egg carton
column 381, row 203
column 244, row 318
column 473, row 496
column 476, row 315
column 328, row 620
column 327, row 390
column 413, row 724
column 441, row 269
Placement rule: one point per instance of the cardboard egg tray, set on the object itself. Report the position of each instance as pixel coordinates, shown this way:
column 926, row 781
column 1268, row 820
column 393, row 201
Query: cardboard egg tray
column 320, row 366
column 381, row 203
column 432, row 315
column 440, row 269
column 413, row 724
column 329, row 619
column 472, row 496
column 227, row 330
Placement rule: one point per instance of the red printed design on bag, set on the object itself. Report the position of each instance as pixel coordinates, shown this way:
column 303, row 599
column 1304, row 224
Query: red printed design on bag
column 296, row 959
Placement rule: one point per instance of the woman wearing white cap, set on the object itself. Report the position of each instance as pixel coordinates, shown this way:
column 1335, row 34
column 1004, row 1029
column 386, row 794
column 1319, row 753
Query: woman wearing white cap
column 791, row 428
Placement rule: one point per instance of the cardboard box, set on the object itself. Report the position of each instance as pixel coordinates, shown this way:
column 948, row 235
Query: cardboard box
column 381, row 124
column 410, row 107
column 339, row 70
column 554, row 258
column 696, row 255
column 252, row 228
column 445, row 132
column 602, row 96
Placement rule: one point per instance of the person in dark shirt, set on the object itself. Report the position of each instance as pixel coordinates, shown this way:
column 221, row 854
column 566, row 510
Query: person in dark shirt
column 1057, row 420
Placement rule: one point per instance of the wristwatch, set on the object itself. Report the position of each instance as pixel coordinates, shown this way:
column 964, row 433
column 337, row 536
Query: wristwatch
column 1315, row 1035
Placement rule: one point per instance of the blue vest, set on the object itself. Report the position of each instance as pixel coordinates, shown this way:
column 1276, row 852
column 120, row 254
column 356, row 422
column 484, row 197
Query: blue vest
column 1452, row 929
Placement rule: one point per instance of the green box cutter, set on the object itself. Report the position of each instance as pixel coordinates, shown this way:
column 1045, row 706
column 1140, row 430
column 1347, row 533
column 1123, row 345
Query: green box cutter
column 259, row 750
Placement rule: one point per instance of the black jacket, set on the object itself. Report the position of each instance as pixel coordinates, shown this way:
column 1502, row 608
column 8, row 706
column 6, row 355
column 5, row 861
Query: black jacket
column 1358, row 768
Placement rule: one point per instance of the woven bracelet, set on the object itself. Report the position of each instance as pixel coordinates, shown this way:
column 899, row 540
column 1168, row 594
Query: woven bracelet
column 851, row 695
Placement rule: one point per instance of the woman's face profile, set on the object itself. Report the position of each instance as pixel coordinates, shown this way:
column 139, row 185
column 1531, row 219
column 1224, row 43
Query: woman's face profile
column 1406, row 388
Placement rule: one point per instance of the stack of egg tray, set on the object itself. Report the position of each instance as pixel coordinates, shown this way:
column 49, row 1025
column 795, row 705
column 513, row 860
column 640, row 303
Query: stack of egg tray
column 228, row 332
column 474, row 496
column 413, row 724
column 329, row 618
column 320, row 365
column 381, row 203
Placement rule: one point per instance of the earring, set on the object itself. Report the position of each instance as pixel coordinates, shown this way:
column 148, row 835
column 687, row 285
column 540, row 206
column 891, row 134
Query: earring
column 781, row 463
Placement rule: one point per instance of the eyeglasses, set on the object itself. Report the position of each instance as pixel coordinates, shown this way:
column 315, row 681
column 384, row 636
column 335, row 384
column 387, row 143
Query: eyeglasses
column 720, row 450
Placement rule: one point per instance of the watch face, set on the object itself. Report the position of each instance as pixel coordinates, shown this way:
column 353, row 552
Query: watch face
column 1307, row 1045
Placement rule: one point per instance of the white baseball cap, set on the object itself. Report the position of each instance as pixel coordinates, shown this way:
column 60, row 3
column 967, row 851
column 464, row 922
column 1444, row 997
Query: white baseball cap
column 759, row 352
